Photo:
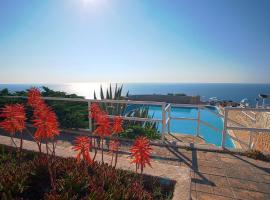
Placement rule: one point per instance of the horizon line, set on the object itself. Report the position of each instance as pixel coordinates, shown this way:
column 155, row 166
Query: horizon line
column 103, row 82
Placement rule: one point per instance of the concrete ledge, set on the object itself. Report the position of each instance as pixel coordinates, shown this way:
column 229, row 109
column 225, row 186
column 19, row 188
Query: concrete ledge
column 178, row 173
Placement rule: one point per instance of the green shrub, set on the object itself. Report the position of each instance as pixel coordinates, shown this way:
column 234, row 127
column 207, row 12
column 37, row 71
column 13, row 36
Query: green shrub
column 134, row 131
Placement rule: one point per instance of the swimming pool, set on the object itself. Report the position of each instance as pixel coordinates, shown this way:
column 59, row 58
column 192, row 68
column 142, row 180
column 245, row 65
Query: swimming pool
column 190, row 127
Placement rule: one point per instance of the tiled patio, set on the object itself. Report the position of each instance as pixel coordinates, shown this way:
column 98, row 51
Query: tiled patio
column 224, row 176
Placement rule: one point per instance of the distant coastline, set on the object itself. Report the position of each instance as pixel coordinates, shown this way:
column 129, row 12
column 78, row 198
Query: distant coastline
column 224, row 91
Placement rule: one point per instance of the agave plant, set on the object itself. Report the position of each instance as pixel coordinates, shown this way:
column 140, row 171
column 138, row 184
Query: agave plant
column 124, row 109
column 142, row 112
column 110, row 108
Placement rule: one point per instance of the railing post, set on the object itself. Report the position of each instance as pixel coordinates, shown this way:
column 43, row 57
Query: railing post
column 169, row 120
column 224, row 132
column 89, row 116
column 250, row 140
column 163, row 122
column 198, row 122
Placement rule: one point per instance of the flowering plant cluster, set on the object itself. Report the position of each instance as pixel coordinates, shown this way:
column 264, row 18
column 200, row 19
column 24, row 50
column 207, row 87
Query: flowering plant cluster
column 46, row 126
column 104, row 128
column 68, row 178
column 44, row 121
column 112, row 128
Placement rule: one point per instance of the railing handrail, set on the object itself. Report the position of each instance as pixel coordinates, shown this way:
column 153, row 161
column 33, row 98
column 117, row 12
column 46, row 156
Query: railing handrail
column 189, row 105
column 89, row 101
column 248, row 109
column 95, row 100
column 250, row 117
column 248, row 129
column 138, row 119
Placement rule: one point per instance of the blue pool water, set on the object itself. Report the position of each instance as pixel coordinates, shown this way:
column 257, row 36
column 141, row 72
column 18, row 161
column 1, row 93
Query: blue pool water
column 190, row 127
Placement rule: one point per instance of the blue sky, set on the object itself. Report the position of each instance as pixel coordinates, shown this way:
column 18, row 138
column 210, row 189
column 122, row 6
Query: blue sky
column 63, row 41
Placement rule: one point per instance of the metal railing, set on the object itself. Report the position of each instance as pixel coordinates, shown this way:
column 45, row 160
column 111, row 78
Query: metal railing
column 163, row 105
column 166, row 117
column 165, row 109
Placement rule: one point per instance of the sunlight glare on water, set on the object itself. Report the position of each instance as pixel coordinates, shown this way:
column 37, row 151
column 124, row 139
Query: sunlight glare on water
column 87, row 89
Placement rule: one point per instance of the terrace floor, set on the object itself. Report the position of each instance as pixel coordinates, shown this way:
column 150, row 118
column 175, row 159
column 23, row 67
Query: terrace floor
column 225, row 176
column 215, row 175
column 222, row 176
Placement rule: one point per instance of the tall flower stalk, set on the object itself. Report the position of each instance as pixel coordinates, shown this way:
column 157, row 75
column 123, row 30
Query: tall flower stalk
column 141, row 151
column 94, row 112
column 113, row 147
column 47, row 127
column 14, row 121
column 117, row 129
column 103, row 129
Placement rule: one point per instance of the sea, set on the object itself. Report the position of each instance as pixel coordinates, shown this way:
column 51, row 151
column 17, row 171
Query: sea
column 223, row 91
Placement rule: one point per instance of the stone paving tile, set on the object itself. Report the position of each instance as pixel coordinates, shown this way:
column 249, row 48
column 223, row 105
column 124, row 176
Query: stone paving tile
column 207, row 196
column 201, row 187
column 260, row 170
column 226, row 177
column 233, row 161
column 193, row 195
column 222, row 191
column 249, row 185
column 219, row 181
column 193, row 186
column 208, row 156
column 211, row 170
column 211, row 156
column 265, row 179
column 208, row 163
column 250, row 195
column 226, row 155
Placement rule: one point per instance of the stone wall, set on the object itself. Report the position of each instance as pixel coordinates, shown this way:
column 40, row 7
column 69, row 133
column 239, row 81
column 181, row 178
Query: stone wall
column 167, row 98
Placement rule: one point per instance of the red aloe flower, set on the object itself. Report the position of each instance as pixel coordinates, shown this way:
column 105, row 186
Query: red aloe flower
column 83, row 145
column 34, row 98
column 141, row 152
column 117, row 125
column 103, row 123
column 14, row 118
column 95, row 111
column 46, row 123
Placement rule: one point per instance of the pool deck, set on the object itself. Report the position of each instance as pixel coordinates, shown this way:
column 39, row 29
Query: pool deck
column 213, row 175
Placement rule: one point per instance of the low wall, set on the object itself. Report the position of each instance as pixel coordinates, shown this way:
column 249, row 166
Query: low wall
column 167, row 98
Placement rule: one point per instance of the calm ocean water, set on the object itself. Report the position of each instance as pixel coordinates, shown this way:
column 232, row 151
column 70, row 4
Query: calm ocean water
column 225, row 91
